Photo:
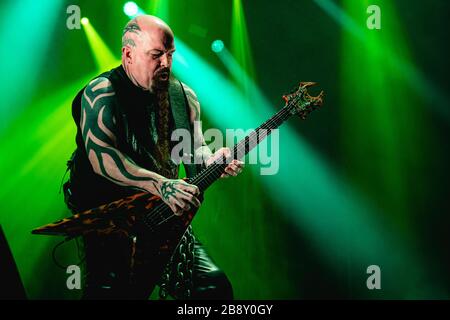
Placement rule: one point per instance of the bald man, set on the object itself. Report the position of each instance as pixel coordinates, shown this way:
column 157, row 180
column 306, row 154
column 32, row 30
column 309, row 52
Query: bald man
column 125, row 118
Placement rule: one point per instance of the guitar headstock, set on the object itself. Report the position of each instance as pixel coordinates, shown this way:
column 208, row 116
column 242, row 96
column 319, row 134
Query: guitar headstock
column 302, row 102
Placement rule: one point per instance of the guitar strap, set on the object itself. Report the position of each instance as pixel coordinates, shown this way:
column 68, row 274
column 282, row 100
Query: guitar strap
column 180, row 112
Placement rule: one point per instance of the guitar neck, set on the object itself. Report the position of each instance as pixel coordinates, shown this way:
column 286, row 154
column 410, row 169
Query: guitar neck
column 209, row 175
column 298, row 102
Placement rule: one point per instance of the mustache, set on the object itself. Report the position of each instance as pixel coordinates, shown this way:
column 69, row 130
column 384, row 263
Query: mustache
column 161, row 71
column 158, row 84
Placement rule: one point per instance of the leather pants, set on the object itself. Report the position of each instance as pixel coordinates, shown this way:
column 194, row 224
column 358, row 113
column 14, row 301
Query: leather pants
column 108, row 270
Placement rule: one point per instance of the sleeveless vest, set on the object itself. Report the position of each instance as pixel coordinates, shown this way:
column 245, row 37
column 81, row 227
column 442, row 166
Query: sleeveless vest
column 136, row 113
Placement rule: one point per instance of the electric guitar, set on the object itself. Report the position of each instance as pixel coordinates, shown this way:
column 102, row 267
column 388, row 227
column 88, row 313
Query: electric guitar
column 146, row 214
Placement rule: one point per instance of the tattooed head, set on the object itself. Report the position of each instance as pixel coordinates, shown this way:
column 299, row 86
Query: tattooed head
column 147, row 49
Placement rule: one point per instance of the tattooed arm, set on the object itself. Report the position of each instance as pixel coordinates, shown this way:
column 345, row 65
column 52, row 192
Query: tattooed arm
column 99, row 135
column 202, row 150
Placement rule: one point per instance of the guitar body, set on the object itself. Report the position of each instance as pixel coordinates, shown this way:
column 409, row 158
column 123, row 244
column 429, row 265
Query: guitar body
column 131, row 217
column 124, row 214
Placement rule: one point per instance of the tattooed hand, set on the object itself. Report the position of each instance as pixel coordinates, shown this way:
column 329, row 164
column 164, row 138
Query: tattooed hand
column 179, row 195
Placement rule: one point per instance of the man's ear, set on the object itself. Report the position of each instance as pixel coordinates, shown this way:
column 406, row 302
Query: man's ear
column 126, row 53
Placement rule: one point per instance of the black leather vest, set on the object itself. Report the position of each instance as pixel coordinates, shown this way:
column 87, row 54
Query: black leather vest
column 135, row 112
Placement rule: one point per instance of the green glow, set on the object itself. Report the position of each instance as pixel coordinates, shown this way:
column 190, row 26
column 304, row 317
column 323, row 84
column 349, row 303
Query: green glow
column 103, row 56
column 27, row 28
column 394, row 59
column 325, row 206
column 185, row 62
column 387, row 116
column 240, row 45
column 383, row 130
column 341, row 17
column 159, row 8
column 30, row 185
column 130, row 8
column 217, row 46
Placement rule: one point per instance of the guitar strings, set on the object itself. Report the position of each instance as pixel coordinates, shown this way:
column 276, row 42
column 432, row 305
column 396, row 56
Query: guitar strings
column 203, row 176
column 208, row 172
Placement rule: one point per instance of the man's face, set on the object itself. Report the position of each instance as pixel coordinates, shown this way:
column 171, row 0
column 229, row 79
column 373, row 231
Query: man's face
column 151, row 60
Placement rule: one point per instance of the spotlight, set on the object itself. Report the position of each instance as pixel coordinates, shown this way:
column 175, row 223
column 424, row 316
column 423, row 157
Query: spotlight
column 217, row 46
column 130, row 8
column 84, row 21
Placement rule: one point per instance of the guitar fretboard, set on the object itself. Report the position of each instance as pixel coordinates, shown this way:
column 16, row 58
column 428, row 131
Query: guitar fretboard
column 209, row 175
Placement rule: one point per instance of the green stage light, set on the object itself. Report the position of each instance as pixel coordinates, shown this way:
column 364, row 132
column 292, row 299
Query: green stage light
column 31, row 40
column 333, row 207
column 131, row 9
column 159, row 8
column 240, row 44
column 217, row 46
column 40, row 177
column 84, row 21
column 103, row 56
column 394, row 56
column 391, row 140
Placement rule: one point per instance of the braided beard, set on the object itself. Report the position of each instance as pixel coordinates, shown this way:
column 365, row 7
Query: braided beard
column 162, row 146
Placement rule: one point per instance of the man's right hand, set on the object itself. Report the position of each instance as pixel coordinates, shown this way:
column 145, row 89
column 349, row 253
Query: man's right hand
column 179, row 195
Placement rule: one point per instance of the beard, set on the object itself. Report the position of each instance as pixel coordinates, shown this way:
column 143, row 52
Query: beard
column 160, row 80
